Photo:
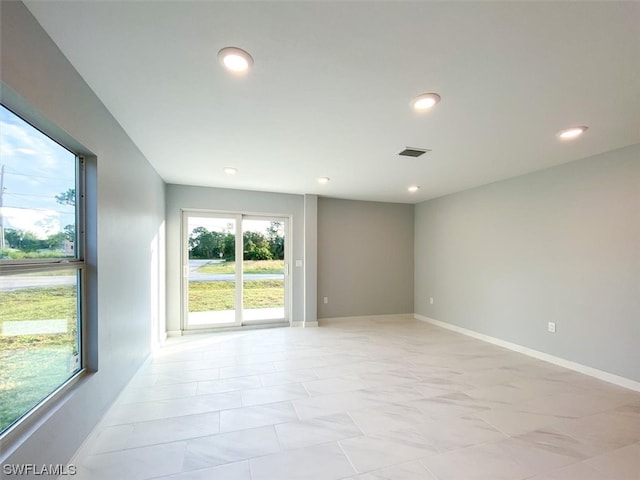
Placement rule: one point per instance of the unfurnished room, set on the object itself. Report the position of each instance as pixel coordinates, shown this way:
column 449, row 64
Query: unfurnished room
column 319, row 240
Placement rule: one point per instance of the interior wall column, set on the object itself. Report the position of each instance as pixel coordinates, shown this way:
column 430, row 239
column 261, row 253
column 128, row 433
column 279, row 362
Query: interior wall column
column 310, row 260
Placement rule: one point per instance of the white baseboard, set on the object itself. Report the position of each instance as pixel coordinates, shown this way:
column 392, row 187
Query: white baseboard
column 578, row 367
column 374, row 318
column 174, row 333
column 310, row 324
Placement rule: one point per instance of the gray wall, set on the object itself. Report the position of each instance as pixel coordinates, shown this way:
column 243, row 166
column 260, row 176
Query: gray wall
column 365, row 258
column 560, row 245
column 183, row 197
column 130, row 213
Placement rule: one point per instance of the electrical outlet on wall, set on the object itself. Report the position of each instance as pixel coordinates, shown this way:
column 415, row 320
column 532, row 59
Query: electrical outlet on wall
column 551, row 327
column 325, row 299
column 430, row 300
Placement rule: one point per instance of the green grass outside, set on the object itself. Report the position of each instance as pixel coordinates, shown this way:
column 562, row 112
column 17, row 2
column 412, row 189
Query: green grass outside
column 248, row 266
column 39, row 304
column 32, row 366
column 14, row 254
column 22, row 385
column 208, row 296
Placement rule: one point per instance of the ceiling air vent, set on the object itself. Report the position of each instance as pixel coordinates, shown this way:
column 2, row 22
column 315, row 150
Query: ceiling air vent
column 413, row 152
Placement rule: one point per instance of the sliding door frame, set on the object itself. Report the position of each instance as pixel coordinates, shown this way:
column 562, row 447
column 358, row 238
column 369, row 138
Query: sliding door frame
column 239, row 281
column 287, row 270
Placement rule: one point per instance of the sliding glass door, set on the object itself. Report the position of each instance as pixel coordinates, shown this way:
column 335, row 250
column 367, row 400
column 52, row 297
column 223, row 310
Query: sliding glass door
column 263, row 270
column 235, row 270
column 211, row 277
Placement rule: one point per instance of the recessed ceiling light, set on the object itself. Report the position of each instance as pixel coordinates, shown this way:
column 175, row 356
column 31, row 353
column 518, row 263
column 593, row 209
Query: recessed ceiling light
column 323, row 180
column 571, row 133
column 230, row 170
column 235, row 59
column 425, row 101
column 413, row 188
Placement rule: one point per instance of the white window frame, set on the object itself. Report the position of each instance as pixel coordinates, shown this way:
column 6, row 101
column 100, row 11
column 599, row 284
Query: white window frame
column 77, row 263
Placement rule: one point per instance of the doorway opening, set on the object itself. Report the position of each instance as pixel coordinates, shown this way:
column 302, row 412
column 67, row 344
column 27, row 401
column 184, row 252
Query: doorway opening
column 235, row 270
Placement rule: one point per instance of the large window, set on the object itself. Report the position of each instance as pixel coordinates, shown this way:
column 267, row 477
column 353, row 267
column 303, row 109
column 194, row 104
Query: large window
column 41, row 267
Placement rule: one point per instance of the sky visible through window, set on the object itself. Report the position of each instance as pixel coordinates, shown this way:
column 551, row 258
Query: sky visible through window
column 35, row 170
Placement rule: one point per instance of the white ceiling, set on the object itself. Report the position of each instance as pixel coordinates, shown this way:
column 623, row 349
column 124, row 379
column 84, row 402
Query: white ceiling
column 330, row 89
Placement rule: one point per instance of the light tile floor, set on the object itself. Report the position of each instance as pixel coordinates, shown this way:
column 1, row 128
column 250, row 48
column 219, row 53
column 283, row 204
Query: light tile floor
column 366, row 400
